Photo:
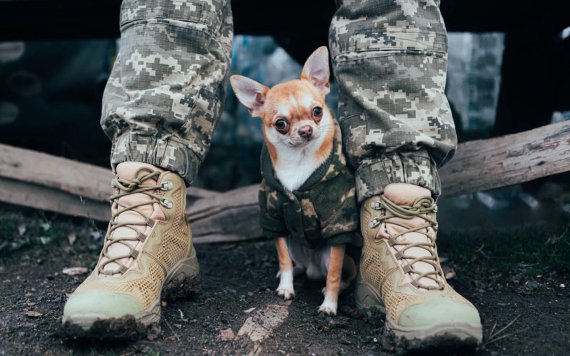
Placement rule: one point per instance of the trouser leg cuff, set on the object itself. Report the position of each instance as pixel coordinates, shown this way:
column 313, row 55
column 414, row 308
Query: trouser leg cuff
column 169, row 153
column 405, row 167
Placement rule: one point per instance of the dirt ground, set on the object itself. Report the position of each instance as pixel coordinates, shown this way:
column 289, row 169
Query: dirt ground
column 517, row 278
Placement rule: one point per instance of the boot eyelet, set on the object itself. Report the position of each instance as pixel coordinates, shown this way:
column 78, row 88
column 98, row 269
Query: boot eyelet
column 166, row 185
column 376, row 205
column 374, row 223
column 166, row 203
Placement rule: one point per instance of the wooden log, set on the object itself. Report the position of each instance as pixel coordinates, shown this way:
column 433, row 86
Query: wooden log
column 46, row 182
column 56, row 184
column 234, row 213
column 507, row 160
column 81, row 179
column 45, row 198
column 49, row 171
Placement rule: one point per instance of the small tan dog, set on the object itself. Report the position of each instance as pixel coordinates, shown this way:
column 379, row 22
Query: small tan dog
column 307, row 198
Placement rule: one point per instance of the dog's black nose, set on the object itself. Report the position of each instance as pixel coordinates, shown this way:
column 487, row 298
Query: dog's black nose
column 306, row 131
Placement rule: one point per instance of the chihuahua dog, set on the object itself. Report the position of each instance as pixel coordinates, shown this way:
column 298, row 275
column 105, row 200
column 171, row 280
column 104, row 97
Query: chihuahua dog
column 307, row 196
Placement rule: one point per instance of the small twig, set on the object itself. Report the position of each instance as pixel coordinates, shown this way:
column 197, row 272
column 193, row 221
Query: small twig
column 529, row 264
column 182, row 316
column 171, row 329
column 556, row 239
column 494, row 336
column 564, row 234
column 480, row 250
column 493, row 330
column 499, row 338
column 506, row 327
column 504, row 336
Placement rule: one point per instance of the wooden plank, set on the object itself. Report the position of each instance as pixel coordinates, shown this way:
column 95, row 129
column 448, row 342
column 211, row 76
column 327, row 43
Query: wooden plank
column 208, row 239
column 199, row 193
column 237, row 198
column 85, row 180
column 234, row 213
column 45, row 198
column 234, row 224
column 507, row 160
column 62, row 174
column 56, row 184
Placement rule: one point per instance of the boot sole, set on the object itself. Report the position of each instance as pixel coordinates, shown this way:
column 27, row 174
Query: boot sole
column 448, row 335
column 181, row 282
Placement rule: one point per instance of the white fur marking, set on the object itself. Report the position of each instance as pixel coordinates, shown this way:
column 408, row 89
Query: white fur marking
column 285, row 288
column 283, row 110
column 307, row 101
column 293, row 101
column 328, row 307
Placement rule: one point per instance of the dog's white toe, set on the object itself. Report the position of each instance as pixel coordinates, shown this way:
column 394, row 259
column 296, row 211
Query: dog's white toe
column 328, row 307
column 285, row 288
column 286, row 293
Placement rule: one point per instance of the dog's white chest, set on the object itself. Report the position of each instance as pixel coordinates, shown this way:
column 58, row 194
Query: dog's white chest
column 293, row 173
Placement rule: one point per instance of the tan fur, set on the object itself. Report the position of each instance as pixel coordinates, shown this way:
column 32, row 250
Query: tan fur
column 272, row 151
column 285, row 262
column 333, row 276
column 324, row 150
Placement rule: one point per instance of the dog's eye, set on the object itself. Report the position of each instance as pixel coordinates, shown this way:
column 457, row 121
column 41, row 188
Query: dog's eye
column 281, row 125
column 317, row 111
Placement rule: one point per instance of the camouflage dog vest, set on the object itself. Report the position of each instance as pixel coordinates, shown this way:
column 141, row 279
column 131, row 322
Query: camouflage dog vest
column 323, row 211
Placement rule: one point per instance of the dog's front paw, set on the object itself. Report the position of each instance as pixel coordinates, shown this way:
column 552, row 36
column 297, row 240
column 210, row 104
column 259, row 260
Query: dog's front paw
column 285, row 292
column 328, row 307
column 285, row 288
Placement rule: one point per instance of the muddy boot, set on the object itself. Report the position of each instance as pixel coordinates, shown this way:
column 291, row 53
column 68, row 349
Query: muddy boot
column 147, row 249
column 400, row 273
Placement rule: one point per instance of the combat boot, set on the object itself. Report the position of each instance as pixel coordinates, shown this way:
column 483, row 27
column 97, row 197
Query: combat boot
column 147, row 249
column 400, row 273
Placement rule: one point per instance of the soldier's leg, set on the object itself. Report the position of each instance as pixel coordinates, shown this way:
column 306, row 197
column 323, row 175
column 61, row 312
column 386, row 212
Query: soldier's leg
column 160, row 107
column 390, row 59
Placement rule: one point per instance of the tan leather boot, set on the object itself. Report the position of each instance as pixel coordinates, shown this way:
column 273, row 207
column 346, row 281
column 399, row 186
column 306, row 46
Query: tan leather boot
column 400, row 273
column 147, row 249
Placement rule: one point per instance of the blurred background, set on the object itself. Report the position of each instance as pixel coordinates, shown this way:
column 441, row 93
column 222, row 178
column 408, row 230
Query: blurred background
column 508, row 72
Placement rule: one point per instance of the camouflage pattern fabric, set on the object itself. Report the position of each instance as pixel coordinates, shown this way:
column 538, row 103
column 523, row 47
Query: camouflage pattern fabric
column 167, row 86
column 323, row 211
column 390, row 60
column 164, row 95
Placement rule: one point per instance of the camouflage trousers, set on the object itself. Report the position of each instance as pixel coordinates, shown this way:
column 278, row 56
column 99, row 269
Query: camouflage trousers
column 390, row 60
column 167, row 87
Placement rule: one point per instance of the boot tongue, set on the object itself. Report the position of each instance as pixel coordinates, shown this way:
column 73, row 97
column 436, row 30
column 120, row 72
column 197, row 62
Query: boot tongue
column 130, row 171
column 405, row 195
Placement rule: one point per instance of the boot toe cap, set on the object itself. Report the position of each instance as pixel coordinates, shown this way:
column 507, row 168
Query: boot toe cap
column 88, row 306
column 439, row 311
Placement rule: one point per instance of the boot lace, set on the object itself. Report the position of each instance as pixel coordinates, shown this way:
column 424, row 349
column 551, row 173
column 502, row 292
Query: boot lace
column 128, row 187
column 425, row 208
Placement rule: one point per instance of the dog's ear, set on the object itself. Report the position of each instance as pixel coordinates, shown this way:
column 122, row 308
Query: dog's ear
column 316, row 70
column 250, row 93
